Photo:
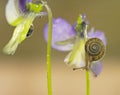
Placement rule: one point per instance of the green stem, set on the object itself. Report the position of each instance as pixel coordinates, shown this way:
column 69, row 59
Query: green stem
column 49, row 81
column 87, row 82
column 87, row 76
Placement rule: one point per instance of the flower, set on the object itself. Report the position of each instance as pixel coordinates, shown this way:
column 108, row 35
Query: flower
column 67, row 37
column 97, row 34
column 62, row 31
column 21, row 13
column 96, row 68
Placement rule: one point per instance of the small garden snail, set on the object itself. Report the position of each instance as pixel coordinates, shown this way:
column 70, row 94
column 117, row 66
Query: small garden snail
column 95, row 49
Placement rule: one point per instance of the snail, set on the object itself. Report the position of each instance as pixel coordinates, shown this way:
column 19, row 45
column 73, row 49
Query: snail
column 95, row 49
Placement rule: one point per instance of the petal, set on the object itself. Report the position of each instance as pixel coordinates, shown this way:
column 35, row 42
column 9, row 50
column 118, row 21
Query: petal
column 96, row 68
column 97, row 34
column 12, row 45
column 77, row 55
column 22, row 4
column 19, row 34
column 62, row 31
column 12, row 12
column 15, row 10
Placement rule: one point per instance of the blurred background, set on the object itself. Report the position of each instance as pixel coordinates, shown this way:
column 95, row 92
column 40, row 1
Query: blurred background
column 24, row 73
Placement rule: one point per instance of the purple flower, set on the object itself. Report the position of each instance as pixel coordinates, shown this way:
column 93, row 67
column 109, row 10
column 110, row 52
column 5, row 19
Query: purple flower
column 62, row 31
column 96, row 66
column 21, row 13
column 65, row 38
column 15, row 9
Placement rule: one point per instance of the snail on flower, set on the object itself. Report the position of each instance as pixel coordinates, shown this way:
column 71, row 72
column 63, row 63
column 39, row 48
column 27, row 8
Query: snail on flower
column 86, row 48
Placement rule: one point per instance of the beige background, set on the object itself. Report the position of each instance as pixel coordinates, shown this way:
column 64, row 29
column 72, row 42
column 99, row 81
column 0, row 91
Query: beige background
column 25, row 72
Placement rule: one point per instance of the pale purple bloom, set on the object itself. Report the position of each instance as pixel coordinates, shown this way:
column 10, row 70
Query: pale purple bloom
column 66, row 34
column 96, row 68
column 62, row 31
column 97, row 34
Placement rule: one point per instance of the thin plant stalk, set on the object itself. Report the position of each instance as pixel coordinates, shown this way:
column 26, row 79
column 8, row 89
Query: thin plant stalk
column 87, row 68
column 87, row 82
column 87, row 76
column 49, row 81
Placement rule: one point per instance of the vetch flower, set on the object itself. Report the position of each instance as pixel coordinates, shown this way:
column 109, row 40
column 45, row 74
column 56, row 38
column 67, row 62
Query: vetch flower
column 76, row 38
column 61, row 31
column 21, row 13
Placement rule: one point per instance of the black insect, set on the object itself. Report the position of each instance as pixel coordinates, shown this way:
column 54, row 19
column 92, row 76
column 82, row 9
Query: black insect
column 30, row 31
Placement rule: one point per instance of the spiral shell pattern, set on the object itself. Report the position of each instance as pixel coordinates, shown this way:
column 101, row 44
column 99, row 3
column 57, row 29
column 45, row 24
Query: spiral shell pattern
column 95, row 49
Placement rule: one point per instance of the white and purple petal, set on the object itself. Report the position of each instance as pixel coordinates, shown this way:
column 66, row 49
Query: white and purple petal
column 19, row 34
column 14, row 11
column 96, row 68
column 97, row 34
column 77, row 56
column 62, row 31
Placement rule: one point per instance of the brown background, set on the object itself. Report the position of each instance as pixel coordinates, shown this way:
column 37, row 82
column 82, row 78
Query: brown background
column 25, row 72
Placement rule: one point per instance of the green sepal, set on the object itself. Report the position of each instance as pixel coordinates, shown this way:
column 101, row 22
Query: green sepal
column 34, row 7
column 78, row 25
column 79, row 20
column 26, row 26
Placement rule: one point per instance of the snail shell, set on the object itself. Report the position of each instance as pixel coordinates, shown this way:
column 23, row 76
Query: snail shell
column 95, row 49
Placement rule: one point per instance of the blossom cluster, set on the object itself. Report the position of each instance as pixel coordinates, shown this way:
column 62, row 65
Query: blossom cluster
column 65, row 37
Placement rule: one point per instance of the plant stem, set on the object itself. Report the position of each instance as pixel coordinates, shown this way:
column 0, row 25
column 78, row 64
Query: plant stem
column 87, row 75
column 49, row 81
column 87, row 82
column 87, row 66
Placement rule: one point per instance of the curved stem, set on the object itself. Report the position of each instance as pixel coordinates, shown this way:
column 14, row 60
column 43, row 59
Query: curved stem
column 49, row 81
